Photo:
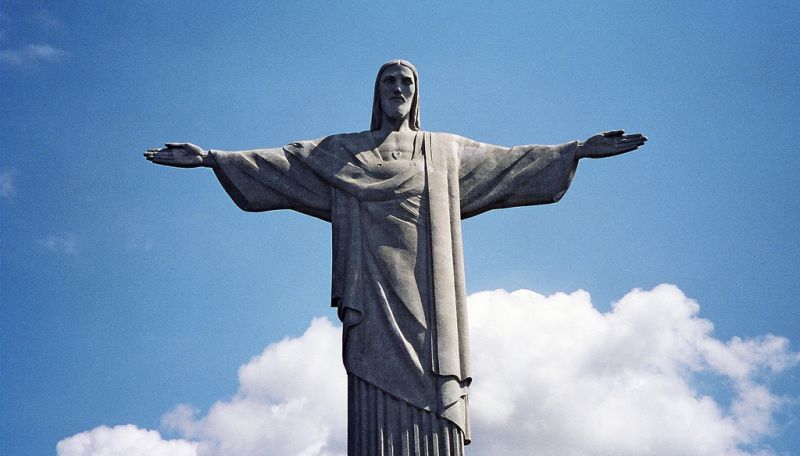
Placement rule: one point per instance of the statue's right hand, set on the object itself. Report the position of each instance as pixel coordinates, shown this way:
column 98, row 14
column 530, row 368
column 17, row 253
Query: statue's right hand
column 182, row 155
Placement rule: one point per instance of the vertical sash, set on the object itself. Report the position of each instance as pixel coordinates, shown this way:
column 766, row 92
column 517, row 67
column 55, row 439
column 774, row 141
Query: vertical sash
column 447, row 357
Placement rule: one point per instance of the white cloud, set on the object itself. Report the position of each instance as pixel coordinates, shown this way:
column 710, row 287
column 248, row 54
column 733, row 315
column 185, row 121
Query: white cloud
column 63, row 243
column 127, row 440
column 552, row 373
column 577, row 381
column 31, row 53
column 291, row 400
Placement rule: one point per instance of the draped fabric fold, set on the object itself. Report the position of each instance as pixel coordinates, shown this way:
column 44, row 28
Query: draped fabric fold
column 379, row 424
column 398, row 268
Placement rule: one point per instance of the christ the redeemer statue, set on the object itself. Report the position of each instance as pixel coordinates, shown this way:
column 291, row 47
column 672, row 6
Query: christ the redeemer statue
column 395, row 197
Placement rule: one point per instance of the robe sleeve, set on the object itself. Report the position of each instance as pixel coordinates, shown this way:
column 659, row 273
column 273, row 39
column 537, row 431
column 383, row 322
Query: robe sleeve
column 270, row 179
column 493, row 177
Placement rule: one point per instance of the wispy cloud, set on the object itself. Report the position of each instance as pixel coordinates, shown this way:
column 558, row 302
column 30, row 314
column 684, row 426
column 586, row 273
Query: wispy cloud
column 66, row 244
column 48, row 20
column 8, row 187
column 31, row 53
column 548, row 369
column 139, row 244
column 22, row 55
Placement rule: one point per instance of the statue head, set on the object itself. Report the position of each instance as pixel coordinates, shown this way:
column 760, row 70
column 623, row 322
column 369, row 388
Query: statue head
column 384, row 105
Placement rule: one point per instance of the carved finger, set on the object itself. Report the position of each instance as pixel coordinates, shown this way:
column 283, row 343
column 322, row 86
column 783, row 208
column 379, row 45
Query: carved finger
column 613, row 133
column 638, row 142
column 633, row 138
column 165, row 157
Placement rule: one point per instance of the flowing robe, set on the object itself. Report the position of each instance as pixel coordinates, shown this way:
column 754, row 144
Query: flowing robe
column 398, row 272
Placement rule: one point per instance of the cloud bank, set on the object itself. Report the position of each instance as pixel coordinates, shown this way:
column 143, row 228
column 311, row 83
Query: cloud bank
column 291, row 401
column 124, row 440
column 552, row 375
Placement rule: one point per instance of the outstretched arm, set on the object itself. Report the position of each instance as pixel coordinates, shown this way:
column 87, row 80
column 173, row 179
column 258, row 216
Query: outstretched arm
column 493, row 177
column 262, row 179
column 608, row 144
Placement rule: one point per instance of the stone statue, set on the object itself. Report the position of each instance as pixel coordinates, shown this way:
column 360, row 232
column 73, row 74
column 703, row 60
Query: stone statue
column 395, row 197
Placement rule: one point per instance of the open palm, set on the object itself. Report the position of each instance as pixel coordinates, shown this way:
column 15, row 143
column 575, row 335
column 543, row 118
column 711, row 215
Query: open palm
column 182, row 155
column 610, row 143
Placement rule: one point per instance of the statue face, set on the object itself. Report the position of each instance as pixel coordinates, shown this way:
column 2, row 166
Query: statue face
column 397, row 91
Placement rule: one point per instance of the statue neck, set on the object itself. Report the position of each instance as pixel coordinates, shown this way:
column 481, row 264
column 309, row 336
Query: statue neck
column 390, row 125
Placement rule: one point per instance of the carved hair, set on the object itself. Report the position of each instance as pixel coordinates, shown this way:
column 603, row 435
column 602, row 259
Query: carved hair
column 377, row 111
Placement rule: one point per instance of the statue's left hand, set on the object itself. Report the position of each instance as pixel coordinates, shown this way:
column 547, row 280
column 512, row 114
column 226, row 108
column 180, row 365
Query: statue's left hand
column 610, row 143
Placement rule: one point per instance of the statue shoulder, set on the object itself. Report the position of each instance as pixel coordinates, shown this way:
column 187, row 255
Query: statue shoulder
column 449, row 138
column 350, row 139
column 349, row 136
column 329, row 142
column 449, row 141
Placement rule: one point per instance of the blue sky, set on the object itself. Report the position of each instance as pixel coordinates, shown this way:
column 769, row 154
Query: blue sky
column 128, row 288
